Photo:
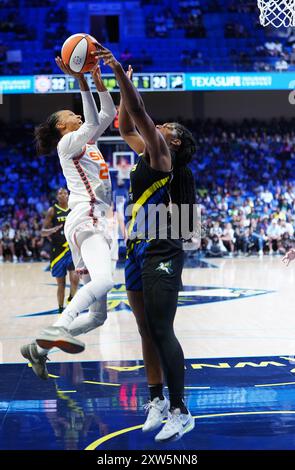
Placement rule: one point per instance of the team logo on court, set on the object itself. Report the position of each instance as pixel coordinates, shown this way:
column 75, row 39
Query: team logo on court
column 166, row 267
column 188, row 296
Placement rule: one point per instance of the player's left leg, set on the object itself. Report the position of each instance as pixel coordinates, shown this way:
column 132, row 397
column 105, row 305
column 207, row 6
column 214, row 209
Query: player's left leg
column 95, row 317
column 97, row 313
column 61, row 286
column 95, row 253
column 74, row 284
column 161, row 282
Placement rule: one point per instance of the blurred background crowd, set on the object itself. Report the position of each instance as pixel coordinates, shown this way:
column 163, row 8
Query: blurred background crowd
column 211, row 35
column 243, row 185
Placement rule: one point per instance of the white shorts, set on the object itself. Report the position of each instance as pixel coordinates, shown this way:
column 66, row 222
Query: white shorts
column 85, row 220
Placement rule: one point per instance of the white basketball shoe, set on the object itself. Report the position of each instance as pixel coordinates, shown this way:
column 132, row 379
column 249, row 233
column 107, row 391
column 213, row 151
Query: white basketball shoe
column 157, row 411
column 176, row 426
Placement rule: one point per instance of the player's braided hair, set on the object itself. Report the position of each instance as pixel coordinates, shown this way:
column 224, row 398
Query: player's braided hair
column 47, row 135
column 183, row 190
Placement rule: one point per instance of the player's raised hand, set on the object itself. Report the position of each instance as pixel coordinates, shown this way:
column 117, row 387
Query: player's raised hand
column 66, row 69
column 290, row 256
column 129, row 72
column 106, row 56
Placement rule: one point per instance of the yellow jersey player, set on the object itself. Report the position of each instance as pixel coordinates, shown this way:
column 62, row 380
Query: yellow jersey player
column 61, row 260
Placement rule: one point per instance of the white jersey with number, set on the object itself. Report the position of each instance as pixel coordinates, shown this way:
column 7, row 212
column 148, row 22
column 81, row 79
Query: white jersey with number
column 87, row 173
column 82, row 163
column 87, row 177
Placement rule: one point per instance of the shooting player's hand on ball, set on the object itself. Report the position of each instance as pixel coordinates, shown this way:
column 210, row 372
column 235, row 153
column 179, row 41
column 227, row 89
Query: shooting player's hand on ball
column 106, row 56
column 66, row 69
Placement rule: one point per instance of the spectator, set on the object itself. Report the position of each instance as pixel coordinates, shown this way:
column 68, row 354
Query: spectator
column 281, row 65
column 274, row 235
column 285, row 244
column 23, row 241
column 258, row 236
column 215, row 247
column 266, row 196
column 287, row 227
column 7, row 242
column 228, row 238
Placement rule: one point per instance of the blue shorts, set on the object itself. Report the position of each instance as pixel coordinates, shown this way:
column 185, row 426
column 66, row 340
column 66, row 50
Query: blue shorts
column 134, row 263
column 60, row 267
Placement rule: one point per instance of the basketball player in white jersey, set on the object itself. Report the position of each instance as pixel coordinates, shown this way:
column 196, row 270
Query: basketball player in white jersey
column 86, row 228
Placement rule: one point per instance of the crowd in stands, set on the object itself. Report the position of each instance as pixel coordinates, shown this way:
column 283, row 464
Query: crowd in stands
column 201, row 44
column 244, row 185
column 188, row 17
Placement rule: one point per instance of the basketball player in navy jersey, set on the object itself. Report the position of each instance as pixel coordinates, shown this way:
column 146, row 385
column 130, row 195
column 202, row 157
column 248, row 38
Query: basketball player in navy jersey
column 154, row 264
column 61, row 260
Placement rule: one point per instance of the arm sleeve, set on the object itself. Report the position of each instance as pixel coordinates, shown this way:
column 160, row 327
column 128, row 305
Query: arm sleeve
column 72, row 143
column 107, row 113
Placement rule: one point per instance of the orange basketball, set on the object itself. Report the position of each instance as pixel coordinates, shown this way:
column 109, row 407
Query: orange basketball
column 76, row 50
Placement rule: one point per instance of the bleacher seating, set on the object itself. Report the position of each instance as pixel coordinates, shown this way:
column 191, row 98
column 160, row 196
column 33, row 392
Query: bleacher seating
column 216, row 35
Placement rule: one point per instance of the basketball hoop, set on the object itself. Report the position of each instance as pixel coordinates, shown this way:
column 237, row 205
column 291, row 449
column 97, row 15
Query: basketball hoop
column 277, row 12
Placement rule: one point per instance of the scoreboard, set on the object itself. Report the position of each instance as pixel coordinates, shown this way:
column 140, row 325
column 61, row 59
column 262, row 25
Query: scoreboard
column 144, row 82
column 153, row 82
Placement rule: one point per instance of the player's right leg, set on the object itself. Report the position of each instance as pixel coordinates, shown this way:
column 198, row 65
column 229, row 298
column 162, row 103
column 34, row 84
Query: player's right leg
column 97, row 313
column 96, row 316
column 61, row 287
column 160, row 292
column 95, row 252
column 158, row 406
column 74, row 283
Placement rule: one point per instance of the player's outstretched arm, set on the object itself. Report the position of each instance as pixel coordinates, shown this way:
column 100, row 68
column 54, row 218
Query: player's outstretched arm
column 127, row 127
column 47, row 228
column 154, row 142
column 78, row 76
column 108, row 110
column 72, row 143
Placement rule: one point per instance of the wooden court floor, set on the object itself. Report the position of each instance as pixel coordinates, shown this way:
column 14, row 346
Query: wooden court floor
column 228, row 308
column 236, row 324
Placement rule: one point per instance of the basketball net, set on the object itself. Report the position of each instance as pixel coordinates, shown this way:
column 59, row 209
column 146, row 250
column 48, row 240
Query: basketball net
column 277, row 12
